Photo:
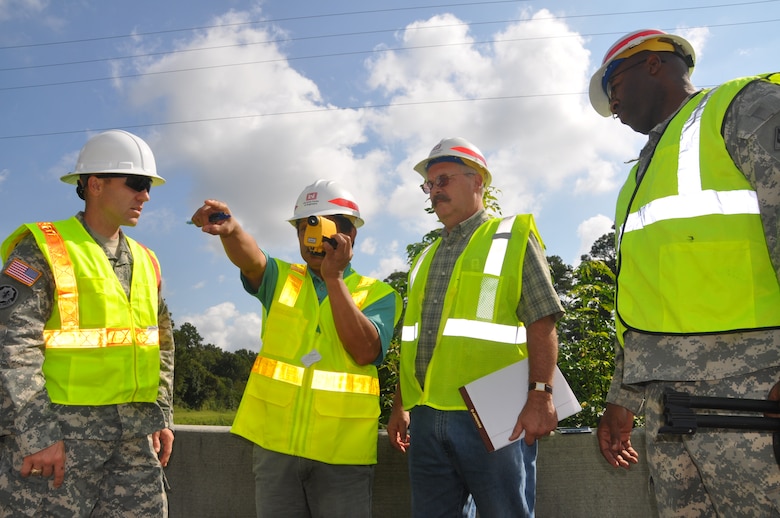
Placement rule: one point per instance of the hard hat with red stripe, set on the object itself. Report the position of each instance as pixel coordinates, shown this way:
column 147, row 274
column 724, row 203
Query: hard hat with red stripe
column 646, row 39
column 456, row 149
column 326, row 198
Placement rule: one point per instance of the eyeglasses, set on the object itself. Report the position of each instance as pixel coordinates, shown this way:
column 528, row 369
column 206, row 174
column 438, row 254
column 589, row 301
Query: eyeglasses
column 441, row 181
column 608, row 82
column 136, row 182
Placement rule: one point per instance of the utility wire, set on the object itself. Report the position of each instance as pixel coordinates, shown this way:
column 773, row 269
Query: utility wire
column 361, row 107
column 337, row 35
column 336, row 54
column 275, row 20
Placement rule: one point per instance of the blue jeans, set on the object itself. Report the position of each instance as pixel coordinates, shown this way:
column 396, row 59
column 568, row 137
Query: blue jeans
column 448, row 462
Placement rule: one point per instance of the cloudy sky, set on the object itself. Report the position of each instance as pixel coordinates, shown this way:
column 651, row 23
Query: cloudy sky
column 249, row 101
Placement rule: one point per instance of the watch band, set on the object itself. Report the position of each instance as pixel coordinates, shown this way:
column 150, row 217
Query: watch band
column 540, row 386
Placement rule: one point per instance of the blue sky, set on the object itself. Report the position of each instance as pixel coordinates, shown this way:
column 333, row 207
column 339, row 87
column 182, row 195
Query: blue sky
column 249, row 101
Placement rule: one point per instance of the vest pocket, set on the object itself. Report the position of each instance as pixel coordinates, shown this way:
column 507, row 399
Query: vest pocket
column 351, row 417
column 721, row 272
column 284, row 332
column 267, row 412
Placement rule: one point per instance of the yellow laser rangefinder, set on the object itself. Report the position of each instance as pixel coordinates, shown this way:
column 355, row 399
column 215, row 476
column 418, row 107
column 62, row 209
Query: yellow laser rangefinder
column 319, row 230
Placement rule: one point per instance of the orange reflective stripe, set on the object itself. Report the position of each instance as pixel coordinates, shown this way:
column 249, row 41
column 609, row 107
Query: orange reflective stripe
column 95, row 338
column 345, row 382
column 64, row 277
column 360, row 294
column 359, row 298
column 321, row 380
column 292, row 286
column 278, row 370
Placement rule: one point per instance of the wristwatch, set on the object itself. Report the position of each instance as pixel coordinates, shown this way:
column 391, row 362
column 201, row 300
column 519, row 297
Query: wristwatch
column 540, row 386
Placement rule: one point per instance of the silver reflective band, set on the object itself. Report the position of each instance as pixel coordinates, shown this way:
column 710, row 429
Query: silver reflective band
column 495, row 258
column 488, row 291
column 416, row 270
column 409, row 333
column 691, row 201
column 484, row 331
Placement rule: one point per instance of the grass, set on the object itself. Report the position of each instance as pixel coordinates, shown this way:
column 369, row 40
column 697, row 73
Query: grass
column 203, row 417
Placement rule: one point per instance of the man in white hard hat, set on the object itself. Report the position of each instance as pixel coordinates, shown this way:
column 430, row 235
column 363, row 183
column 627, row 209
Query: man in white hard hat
column 698, row 263
column 311, row 405
column 480, row 298
column 86, row 350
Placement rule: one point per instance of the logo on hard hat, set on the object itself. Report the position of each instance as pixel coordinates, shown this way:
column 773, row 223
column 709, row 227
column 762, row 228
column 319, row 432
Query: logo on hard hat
column 311, row 196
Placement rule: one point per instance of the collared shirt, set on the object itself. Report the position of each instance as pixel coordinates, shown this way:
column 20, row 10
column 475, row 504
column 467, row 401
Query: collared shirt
column 538, row 298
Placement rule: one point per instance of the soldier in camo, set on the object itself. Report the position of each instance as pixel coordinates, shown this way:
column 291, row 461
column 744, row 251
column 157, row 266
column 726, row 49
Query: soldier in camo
column 644, row 81
column 79, row 460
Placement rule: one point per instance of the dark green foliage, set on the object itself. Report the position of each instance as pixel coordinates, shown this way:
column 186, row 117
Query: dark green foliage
column 586, row 338
column 206, row 377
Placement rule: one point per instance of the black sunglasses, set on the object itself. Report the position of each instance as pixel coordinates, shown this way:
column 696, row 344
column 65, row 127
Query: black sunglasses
column 136, row 182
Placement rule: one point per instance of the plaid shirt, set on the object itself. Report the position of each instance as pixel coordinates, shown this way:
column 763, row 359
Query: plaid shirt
column 538, row 298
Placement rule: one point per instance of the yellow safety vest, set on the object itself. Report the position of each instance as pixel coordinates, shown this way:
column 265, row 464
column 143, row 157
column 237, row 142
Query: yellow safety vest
column 692, row 256
column 479, row 332
column 101, row 348
column 305, row 395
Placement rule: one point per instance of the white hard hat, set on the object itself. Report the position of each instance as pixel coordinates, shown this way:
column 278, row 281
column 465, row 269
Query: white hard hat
column 326, row 198
column 628, row 45
column 115, row 152
column 458, row 148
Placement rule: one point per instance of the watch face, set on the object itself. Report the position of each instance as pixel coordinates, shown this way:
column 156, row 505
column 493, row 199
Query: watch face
column 541, row 387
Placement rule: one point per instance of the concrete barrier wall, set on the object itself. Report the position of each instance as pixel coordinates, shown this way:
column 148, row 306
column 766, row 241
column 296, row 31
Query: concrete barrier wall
column 210, row 475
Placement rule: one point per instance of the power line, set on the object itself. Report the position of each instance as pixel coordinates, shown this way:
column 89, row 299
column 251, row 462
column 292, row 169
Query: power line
column 296, row 112
column 364, row 107
column 337, row 54
column 337, row 35
column 275, row 20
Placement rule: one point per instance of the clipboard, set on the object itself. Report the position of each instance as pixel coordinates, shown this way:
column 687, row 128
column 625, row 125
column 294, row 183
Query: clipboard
column 496, row 400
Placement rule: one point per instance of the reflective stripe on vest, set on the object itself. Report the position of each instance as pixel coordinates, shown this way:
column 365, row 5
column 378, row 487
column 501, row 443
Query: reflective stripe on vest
column 69, row 335
column 294, row 283
column 487, row 297
column 691, row 201
column 479, row 330
column 321, row 380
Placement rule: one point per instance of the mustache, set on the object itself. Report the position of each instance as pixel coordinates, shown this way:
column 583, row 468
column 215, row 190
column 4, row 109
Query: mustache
column 439, row 197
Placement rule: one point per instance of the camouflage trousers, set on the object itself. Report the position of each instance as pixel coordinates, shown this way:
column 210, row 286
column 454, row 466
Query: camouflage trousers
column 714, row 472
column 121, row 478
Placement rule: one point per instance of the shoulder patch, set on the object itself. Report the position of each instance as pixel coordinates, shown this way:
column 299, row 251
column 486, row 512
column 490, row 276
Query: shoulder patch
column 22, row 272
column 8, row 296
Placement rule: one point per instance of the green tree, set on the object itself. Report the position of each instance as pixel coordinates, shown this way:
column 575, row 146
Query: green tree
column 586, row 337
column 586, row 333
column 206, row 377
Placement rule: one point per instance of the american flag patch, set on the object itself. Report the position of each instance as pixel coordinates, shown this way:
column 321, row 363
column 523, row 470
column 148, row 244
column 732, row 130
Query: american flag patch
column 22, row 272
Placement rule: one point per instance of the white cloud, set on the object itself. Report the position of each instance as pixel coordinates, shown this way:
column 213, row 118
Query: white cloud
column 590, row 230
column 368, row 246
column 537, row 142
column 697, row 37
column 224, row 326
column 257, row 163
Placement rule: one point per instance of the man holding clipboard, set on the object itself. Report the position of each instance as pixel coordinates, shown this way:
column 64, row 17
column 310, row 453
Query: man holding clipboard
column 480, row 299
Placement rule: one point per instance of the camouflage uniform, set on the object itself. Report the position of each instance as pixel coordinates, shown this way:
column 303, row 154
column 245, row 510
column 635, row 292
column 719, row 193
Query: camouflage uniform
column 714, row 472
column 111, row 468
